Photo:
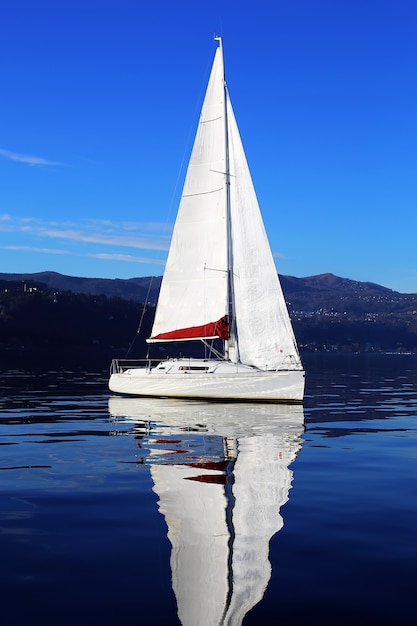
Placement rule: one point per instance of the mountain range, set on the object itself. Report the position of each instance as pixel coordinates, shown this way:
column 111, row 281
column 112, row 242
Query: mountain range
column 135, row 289
column 327, row 311
column 324, row 293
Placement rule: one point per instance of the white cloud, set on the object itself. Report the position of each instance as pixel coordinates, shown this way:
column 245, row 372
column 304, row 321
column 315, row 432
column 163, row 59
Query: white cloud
column 98, row 232
column 26, row 158
column 111, row 226
column 126, row 257
column 147, row 243
column 33, row 249
column 104, row 256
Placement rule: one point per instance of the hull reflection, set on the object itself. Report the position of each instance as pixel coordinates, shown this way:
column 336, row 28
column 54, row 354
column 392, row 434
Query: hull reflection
column 221, row 472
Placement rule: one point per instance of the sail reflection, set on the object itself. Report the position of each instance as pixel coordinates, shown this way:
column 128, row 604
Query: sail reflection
column 221, row 472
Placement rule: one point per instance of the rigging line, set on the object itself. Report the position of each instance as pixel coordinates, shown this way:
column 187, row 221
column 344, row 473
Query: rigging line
column 215, row 269
column 191, row 132
column 201, row 193
column 141, row 318
column 212, row 119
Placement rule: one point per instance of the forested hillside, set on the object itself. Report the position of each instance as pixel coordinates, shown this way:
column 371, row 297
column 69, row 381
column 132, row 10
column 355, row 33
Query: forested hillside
column 328, row 313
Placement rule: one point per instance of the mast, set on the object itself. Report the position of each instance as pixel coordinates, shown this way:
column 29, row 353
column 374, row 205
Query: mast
column 230, row 298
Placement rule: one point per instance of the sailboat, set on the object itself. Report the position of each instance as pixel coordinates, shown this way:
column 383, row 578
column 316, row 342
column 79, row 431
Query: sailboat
column 221, row 473
column 220, row 281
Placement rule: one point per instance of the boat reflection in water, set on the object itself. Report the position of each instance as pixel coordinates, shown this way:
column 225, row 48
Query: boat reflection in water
column 221, row 472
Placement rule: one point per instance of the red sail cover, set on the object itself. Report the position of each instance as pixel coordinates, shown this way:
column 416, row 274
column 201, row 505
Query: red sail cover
column 213, row 329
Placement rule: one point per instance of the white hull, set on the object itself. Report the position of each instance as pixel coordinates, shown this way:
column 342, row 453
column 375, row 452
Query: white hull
column 224, row 382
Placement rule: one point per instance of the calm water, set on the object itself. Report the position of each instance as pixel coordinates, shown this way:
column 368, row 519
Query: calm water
column 128, row 511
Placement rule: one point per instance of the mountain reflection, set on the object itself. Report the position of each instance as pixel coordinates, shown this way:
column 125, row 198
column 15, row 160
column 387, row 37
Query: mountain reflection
column 221, row 472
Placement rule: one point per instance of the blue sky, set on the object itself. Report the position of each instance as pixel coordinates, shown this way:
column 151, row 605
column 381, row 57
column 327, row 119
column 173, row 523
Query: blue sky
column 99, row 102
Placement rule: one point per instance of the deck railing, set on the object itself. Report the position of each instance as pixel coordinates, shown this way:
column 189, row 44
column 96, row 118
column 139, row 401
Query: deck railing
column 118, row 366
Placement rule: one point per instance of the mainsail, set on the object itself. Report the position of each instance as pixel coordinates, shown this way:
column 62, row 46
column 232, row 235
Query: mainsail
column 194, row 287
